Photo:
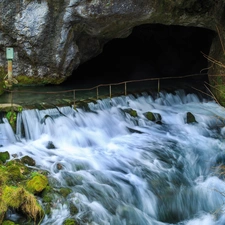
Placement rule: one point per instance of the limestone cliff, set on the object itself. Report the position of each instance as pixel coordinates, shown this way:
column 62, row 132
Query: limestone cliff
column 51, row 38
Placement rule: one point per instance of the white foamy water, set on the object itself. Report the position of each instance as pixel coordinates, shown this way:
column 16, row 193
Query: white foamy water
column 126, row 170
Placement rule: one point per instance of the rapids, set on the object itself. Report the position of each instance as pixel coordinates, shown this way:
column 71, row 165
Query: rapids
column 126, row 170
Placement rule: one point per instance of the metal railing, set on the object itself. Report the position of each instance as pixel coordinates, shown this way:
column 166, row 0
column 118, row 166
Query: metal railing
column 96, row 89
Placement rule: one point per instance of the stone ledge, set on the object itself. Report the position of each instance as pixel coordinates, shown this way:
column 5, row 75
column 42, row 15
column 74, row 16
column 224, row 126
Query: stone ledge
column 6, row 107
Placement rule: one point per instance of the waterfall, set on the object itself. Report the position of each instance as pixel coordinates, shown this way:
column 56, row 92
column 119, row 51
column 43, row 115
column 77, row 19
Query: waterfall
column 125, row 169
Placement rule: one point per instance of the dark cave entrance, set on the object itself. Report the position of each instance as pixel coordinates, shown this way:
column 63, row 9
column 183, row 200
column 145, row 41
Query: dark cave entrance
column 151, row 50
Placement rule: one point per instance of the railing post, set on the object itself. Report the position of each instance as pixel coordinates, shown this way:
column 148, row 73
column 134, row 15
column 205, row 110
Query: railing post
column 110, row 91
column 125, row 88
column 74, row 96
column 158, row 85
column 97, row 92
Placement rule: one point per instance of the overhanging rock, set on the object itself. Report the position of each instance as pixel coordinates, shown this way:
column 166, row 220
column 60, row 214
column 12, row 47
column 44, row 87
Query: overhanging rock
column 52, row 38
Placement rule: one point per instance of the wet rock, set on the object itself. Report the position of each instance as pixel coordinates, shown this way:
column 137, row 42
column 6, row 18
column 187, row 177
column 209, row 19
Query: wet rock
column 190, row 118
column 59, row 166
column 156, row 117
column 50, row 145
column 28, row 160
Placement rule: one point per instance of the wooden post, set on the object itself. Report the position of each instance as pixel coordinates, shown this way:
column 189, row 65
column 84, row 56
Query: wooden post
column 110, row 91
column 158, row 85
column 10, row 70
column 97, row 92
column 74, row 99
column 125, row 87
column 9, row 57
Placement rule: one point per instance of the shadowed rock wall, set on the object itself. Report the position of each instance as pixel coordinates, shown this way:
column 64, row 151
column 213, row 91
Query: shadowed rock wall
column 51, row 38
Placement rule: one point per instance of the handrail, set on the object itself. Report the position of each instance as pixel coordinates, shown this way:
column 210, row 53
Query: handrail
column 108, row 84
column 73, row 99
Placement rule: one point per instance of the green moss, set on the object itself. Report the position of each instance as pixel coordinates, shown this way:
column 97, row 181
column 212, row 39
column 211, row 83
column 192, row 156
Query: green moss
column 11, row 116
column 4, row 156
column 47, row 196
column 19, row 108
column 14, row 172
column 2, row 75
column 65, row 192
column 8, row 222
column 73, row 209
column 133, row 113
column 14, row 176
column 27, row 80
column 19, row 198
column 37, row 184
column 69, row 222
column 150, row 116
column 3, row 175
column 24, row 170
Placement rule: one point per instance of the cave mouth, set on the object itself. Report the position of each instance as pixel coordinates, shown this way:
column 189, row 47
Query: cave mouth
column 151, row 50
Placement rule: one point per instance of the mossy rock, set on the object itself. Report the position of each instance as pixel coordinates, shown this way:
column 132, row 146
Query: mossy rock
column 8, row 222
column 24, row 170
column 132, row 112
column 7, row 107
column 155, row 117
column 65, row 191
column 150, row 116
column 12, row 117
column 14, row 176
column 37, row 184
column 28, row 160
column 70, row 222
column 73, row 209
column 4, row 156
column 20, row 199
column 14, row 172
column 191, row 118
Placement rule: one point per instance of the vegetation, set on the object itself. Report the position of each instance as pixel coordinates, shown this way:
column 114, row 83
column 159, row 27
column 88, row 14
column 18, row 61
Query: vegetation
column 2, row 74
column 25, row 80
column 70, row 222
column 216, row 81
column 19, row 187
column 11, row 116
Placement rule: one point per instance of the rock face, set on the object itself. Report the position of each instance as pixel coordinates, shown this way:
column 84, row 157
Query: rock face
column 51, row 38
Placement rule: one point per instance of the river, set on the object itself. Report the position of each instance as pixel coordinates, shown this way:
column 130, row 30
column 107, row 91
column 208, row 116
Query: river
column 126, row 170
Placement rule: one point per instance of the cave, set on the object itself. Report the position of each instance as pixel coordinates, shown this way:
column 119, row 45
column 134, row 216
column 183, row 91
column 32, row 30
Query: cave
column 151, row 50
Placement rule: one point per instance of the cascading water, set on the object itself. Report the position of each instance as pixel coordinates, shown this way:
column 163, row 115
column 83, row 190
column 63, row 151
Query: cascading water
column 126, row 170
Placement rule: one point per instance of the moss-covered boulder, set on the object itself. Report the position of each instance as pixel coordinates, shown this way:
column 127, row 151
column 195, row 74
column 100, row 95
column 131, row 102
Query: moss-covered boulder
column 150, row 116
column 155, row 117
column 132, row 112
column 4, row 156
column 14, row 172
column 21, row 199
column 37, row 184
column 28, row 160
column 14, row 193
column 70, row 222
